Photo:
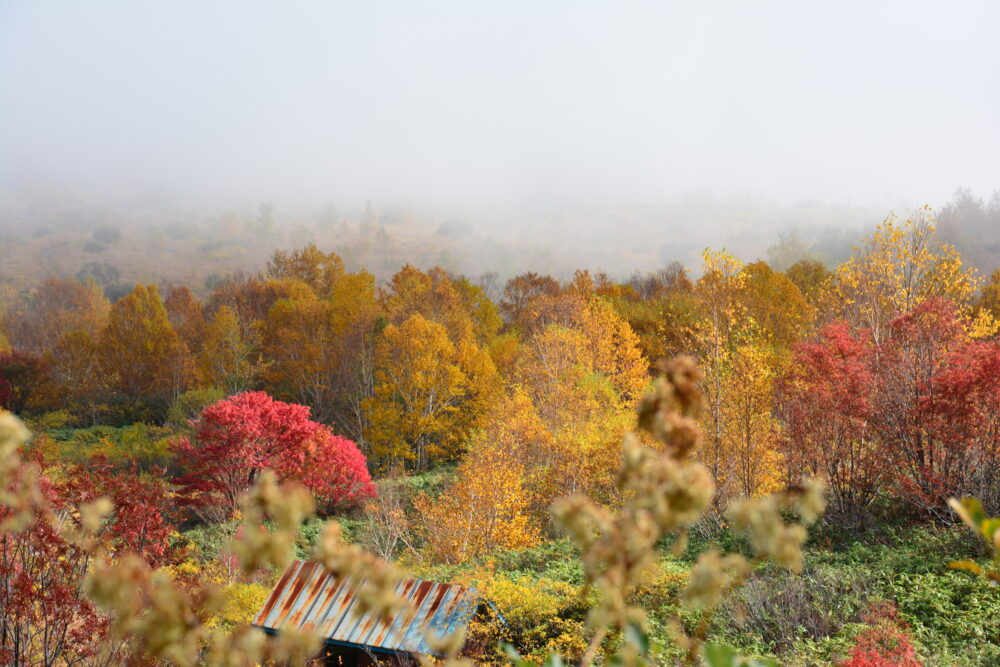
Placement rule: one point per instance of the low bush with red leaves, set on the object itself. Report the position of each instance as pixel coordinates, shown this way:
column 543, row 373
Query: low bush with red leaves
column 885, row 642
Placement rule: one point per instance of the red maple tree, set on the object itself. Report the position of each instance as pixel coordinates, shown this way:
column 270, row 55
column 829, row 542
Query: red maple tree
column 963, row 414
column 920, row 379
column 825, row 402
column 143, row 517
column 239, row 436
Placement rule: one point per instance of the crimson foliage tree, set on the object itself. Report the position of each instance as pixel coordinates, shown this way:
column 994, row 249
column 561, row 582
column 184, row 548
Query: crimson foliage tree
column 825, row 402
column 917, row 414
column 912, row 358
column 142, row 519
column 45, row 618
column 963, row 413
column 239, row 436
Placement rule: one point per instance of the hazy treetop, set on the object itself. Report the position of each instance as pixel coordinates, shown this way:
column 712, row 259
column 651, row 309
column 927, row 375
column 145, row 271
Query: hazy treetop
column 502, row 104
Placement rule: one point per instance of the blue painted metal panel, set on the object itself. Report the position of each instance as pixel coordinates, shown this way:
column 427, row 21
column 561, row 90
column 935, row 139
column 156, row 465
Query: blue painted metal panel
column 307, row 597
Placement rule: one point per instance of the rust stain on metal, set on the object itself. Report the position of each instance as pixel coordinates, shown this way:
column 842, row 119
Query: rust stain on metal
column 307, row 597
column 273, row 597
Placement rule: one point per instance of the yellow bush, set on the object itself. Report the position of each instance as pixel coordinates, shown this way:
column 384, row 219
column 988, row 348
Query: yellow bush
column 240, row 603
column 662, row 587
column 537, row 616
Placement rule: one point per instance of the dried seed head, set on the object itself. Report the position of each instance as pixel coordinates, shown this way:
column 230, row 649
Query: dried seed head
column 770, row 537
column 712, row 576
column 13, row 434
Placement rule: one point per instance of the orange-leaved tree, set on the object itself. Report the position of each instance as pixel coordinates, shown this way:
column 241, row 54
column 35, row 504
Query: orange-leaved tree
column 36, row 322
column 187, row 317
column 489, row 504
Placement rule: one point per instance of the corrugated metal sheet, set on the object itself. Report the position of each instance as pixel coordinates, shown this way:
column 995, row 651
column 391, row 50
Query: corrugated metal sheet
column 310, row 598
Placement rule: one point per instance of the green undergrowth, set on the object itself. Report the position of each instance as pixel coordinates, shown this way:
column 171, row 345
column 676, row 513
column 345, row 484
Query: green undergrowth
column 538, row 603
column 807, row 619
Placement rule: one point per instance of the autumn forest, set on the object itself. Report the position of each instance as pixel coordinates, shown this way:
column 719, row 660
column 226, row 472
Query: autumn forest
column 440, row 333
column 438, row 419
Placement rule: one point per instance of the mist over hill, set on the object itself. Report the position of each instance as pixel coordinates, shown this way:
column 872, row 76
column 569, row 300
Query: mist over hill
column 150, row 240
column 501, row 138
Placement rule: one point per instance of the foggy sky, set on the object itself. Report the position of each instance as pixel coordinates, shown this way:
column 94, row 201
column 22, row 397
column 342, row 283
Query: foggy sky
column 502, row 104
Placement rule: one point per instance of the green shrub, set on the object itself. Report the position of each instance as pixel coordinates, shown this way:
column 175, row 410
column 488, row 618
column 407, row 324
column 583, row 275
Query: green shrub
column 190, row 404
column 210, row 539
column 557, row 560
column 948, row 610
column 139, row 443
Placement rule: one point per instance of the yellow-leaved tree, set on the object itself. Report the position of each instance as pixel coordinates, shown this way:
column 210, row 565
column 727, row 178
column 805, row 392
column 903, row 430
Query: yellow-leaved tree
column 817, row 286
column 456, row 304
column 616, row 350
column 502, row 490
column 749, row 427
column 140, row 353
column 776, row 305
column 583, row 378
column 429, row 393
column 302, row 345
column 486, row 508
column 750, row 316
column 319, row 270
column 229, row 358
column 725, row 325
column 899, row 266
column 355, row 316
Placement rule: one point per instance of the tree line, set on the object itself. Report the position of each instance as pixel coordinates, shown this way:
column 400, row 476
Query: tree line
column 880, row 376
column 877, row 374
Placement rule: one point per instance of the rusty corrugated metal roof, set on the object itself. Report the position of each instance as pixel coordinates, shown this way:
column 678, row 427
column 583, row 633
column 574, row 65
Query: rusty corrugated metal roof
column 308, row 597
